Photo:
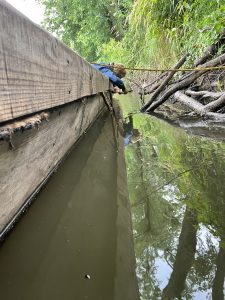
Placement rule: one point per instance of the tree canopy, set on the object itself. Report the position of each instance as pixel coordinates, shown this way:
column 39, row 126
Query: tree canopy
column 86, row 25
column 140, row 32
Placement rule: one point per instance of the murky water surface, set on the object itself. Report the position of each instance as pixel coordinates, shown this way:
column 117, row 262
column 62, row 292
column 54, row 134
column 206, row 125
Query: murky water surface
column 76, row 242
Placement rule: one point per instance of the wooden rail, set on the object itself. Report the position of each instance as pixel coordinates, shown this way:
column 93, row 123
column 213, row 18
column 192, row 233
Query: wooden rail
column 37, row 71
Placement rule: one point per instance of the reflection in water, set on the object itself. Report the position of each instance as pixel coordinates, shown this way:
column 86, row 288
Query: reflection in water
column 184, row 257
column 218, row 282
column 80, row 225
column 125, row 125
column 177, row 194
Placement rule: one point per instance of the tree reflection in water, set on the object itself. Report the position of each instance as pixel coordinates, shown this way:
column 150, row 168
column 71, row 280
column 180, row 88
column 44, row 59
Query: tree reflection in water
column 177, row 197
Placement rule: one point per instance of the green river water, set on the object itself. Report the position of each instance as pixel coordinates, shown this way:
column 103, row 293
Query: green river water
column 76, row 241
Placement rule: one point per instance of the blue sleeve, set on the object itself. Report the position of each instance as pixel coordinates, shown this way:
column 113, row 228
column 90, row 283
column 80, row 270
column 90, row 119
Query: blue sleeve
column 115, row 80
column 109, row 73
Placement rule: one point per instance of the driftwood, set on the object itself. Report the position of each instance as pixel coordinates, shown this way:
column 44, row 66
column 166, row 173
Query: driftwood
column 215, row 105
column 165, row 82
column 189, row 102
column 185, row 83
column 194, row 85
column 204, row 94
column 199, row 108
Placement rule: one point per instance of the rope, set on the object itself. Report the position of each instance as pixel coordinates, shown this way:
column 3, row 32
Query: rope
column 167, row 70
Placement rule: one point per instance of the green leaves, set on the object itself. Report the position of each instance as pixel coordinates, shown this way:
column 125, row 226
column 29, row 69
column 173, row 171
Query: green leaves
column 87, row 25
column 138, row 33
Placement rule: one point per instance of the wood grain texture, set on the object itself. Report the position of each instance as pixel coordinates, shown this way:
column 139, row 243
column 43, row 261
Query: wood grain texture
column 37, row 151
column 37, row 71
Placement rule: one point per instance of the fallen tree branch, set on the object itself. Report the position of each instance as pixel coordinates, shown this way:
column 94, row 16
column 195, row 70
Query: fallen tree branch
column 205, row 94
column 135, row 82
column 186, row 75
column 165, row 81
column 215, row 105
column 210, row 51
column 189, row 102
column 199, row 108
column 155, row 80
column 153, row 88
column 154, row 84
column 220, row 60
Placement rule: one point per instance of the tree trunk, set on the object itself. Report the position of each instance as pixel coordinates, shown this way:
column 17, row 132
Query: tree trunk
column 184, row 257
column 200, row 109
column 205, row 94
column 218, row 282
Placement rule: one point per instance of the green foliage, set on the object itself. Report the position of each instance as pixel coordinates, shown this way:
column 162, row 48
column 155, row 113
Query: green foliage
column 185, row 26
column 141, row 33
column 201, row 23
column 114, row 51
column 86, row 25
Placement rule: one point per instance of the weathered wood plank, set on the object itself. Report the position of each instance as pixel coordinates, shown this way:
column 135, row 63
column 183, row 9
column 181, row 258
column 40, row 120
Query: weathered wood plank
column 37, row 71
column 28, row 157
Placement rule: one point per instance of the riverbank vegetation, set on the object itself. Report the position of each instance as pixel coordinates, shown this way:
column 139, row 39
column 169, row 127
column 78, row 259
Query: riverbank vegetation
column 151, row 34
column 137, row 33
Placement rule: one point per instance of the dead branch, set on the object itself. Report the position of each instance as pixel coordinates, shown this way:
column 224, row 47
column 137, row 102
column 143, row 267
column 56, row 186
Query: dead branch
column 184, row 76
column 135, row 82
column 185, row 83
column 165, row 82
column 204, row 94
column 210, row 51
column 153, row 88
column 189, row 102
column 199, row 108
column 155, row 80
column 215, row 105
column 154, row 85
